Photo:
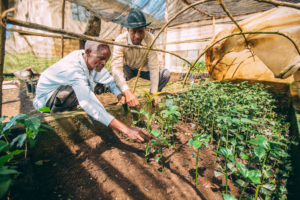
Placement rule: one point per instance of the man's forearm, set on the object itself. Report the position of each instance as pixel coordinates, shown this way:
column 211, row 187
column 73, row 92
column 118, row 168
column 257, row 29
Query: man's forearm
column 118, row 125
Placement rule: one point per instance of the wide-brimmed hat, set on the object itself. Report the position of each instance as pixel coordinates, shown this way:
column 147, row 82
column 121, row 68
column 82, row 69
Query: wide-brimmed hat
column 135, row 19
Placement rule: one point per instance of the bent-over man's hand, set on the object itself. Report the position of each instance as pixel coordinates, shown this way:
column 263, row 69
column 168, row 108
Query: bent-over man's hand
column 138, row 134
column 135, row 134
column 131, row 99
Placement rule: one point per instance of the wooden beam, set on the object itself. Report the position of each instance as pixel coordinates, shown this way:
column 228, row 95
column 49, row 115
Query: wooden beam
column 3, row 7
column 62, row 26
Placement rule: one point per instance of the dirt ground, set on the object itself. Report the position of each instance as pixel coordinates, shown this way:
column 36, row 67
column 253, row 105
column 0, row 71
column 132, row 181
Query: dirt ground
column 97, row 164
column 104, row 165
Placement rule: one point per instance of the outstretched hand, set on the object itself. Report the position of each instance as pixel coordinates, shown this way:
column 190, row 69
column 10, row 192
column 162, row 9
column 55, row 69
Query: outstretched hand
column 138, row 134
column 131, row 99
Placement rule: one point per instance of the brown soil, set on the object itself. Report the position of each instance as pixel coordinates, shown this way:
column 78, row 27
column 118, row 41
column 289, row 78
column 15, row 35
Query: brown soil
column 104, row 165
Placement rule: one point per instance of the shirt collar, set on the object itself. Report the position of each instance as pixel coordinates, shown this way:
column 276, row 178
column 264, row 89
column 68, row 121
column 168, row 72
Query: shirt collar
column 130, row 42
column 82, row 62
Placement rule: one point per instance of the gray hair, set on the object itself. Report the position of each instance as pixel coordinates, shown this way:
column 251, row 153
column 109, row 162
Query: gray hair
column 94, row 45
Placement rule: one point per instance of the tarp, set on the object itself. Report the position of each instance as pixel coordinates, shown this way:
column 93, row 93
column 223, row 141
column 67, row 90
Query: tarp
column 275, row 55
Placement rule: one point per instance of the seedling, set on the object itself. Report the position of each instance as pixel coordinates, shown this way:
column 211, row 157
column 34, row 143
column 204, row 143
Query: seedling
column 197, row 141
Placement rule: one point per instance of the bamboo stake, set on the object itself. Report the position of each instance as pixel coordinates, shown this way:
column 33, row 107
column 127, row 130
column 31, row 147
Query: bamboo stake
column 77, row 35
column 62, row 26
column 22, row 32
column 280, row 3
column 231, row 35
column 214, row 26
column 165, row 32
column 199, row 11
column 160, row 31
column 235, row 22
column 3, row 7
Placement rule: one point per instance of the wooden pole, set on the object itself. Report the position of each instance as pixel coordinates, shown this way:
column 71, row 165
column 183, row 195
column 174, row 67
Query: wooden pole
column 62, row 26
column 165, row 33
column 3, row 7
column 80, row 36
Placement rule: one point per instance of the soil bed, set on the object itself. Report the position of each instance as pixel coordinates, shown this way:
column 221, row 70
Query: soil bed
column 81, row 159
column 93, row 164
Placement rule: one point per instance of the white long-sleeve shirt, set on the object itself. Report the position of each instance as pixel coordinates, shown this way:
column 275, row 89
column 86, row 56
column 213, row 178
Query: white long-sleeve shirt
column 72, row 70
column 133, row 58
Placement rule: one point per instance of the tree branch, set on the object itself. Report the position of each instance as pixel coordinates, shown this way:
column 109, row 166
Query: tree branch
column 280, row 3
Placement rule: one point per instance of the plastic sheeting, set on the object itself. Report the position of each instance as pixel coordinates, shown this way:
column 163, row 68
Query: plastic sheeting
column 117, row 10
column 229, row 59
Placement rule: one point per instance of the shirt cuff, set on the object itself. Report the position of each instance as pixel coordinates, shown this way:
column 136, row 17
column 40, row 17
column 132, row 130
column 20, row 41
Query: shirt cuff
column 124, row 87
column 105, row 118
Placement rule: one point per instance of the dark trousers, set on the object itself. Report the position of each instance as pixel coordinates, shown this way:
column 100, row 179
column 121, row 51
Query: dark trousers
column 164, row 76
column 63, row 99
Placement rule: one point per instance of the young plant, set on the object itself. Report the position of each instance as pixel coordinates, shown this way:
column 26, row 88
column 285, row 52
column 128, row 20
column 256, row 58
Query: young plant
column 167, row 118
column 157, row 145
column 197, row 141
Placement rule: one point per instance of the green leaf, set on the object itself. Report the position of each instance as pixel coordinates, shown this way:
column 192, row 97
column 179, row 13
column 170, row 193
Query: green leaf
column 33, row 123
column 217, row 174
column 261, row 141
column 197, row 144
column 4, row 185
column 244, row 156
column 191, row 141
column 47, row 126
column 157, row 159
column 259, row 152
column 268, row 173
column 156, row 133
column 13, row 121
column 169, row 103
column 45, row 109
column 243, row 169
column 228, row 197
column 254, row 176
column 227, row 153
column 6, row 171
column 4, row 159
column 270, row 187
column 3, row 146
column 134, row 111
column 247, row 121
column 241, row 183
column 20, row 140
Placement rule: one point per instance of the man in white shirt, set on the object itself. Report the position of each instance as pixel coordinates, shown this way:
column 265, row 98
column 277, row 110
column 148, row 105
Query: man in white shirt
column 126, row 61
column 71, row 81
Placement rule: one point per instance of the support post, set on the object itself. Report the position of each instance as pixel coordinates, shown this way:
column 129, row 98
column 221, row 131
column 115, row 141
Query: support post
column 62, row 27
column 3, row 7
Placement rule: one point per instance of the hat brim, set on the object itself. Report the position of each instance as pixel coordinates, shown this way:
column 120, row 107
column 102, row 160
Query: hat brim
column 139, row 25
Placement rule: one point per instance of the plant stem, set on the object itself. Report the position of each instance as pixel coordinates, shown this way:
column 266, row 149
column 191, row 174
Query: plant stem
column 226, row 177
column 6, row 140
column 227, row 137
column 146, row 152
column 26, row 149
column 262, row 174
column 218, row 146
column 197, row 160
column 243, row 190
column 162, row 163
column 256, row 192
column 212, row 129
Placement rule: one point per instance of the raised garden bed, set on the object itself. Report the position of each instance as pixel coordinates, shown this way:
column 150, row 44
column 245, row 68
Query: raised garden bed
column 240, row 135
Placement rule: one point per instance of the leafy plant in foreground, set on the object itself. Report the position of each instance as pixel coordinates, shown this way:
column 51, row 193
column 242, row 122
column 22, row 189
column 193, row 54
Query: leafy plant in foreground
column 8, row 170
column 197, row 141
